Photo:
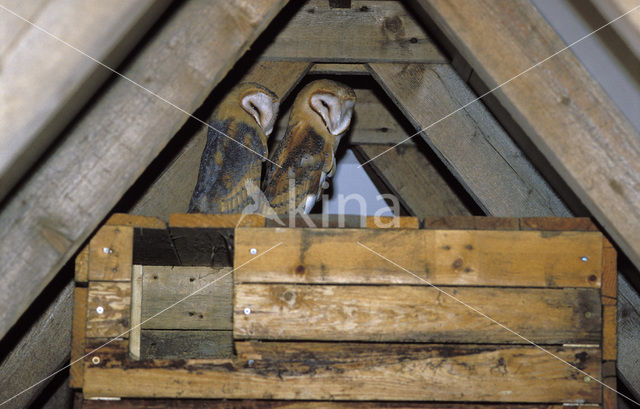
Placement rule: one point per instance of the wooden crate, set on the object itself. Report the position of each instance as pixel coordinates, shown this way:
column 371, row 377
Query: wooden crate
column 309, row 316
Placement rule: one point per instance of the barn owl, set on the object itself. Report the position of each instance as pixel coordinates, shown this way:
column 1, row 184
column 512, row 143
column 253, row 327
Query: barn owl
column 230, row 170
column 321, row 114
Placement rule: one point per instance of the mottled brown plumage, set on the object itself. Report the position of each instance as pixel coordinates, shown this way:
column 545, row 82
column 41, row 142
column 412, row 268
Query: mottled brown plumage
column 321, row 114
column 230, row 170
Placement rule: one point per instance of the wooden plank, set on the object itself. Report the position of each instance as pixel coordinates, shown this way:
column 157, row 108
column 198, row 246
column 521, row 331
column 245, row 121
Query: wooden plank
column 338, row 69
column 442, row 257
column 557, row 224
column 628, row 27
column 477, row 151
column 108, row 309
column 346, row 371
column 198, row 220
column 171, row 344
column 78, row 335
column 471, row 223
column 349, row 221
column 136, row 312
column 45, row 82
column 609, row 397
column 36, row 347
column 368, row 31
column 81, row 272
column 172, row 190
column 415, row 314
column 280, row 404
column 599, row 162
column 204, row 246
column 111, row 254
column 44, row 223
column 609, row 273
column 629, row 333
column 609, row 332
column 121, row 219
column 208, row 306
column 415, row 181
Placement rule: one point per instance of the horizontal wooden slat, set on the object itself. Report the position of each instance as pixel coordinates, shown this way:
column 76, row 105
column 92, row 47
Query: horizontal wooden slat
column 175, row 344
column 197, row 220
column 339, row 69
column 442, row 257
column 471, row 223
column 208, row 306
column 114, row 299
column 281, row 404
column 368, row 31
column 345, row 371
column 415, row 314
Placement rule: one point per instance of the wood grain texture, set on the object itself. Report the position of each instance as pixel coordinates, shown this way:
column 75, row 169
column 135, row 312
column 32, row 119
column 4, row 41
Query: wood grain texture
column 477, row 151
column 45, row 82
column 81, row 272
column 41, row 349
column 609, row 397
column 78, row 335
column 123, row 219
column 609, row 273
column 115, row 300
column 414, row 180
column 276, row 404
column 628, row 27
column 43, row 223
column 442, row 257
column 416, row 314
column 172, row 344
column 599, row 161
column 135, row 311
column 346, row 371
column 111, row 254
column 199, row 220
column 609, row 332
column 472, row 223
column 368, row 31
column 209, row 308
column 338, row 69
column 171, row 191
column 557, row 224
column 629, row 325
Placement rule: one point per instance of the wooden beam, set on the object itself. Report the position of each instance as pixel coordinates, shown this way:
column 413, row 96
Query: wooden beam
column 414, row 180
column 456, row 257
column 397, row 313
column 471, row 143
column 43, row 224
column 628, row 27
column 44, row 82
column 368, row 31
column 339, row 69
column 348, row 371
column 562, row 109
column 41, row 349
column 172, row 190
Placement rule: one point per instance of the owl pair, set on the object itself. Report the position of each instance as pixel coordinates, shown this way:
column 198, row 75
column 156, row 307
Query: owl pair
column 296, row 172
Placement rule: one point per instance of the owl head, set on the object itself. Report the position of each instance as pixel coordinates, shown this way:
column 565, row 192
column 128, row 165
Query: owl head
column 325, row 104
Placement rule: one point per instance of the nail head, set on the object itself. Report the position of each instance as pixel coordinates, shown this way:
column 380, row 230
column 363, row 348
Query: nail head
column 95, row 360
column 100, row 310
column 253, row 251
column 584, row 258
column 247, row 311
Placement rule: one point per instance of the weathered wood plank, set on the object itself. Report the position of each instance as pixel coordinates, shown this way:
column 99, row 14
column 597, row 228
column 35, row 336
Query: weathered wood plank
column 199, row 221
column 609, row 397
column 78, row 335
column 628, row 27
column 368, row 31
column 349, row 221
column 45, row 82
column 81, row 272
column 557, row 224
column 443, row 257
column 609, row 332
column 471, row 143
column 111, row 254
column 415, row 181
column 280, row 404
column 472, row 223
column 628, row 345
column 122, row 219
column 136, row 312
column 172, row 190
column 416, row 314
column 171, row 344
column 108, row 309
column 599, row 162
column 43, row 223
column 208, row 308
column 345, row 371
column 40, row 348
column 609, row 273
column 338, row 69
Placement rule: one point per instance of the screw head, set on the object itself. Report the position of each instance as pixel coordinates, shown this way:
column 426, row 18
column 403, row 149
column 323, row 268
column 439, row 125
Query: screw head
column 100, row 310
column 587, row 314
column 584, row 258
column 587, row 379
column 247, row 311
column 250, row 362
column 253, row 251
column 95, row 360
column 107, row 250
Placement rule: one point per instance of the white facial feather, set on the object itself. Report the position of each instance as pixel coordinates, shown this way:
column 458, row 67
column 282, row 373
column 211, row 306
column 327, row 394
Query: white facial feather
column 335, row 114
column 263, row 109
